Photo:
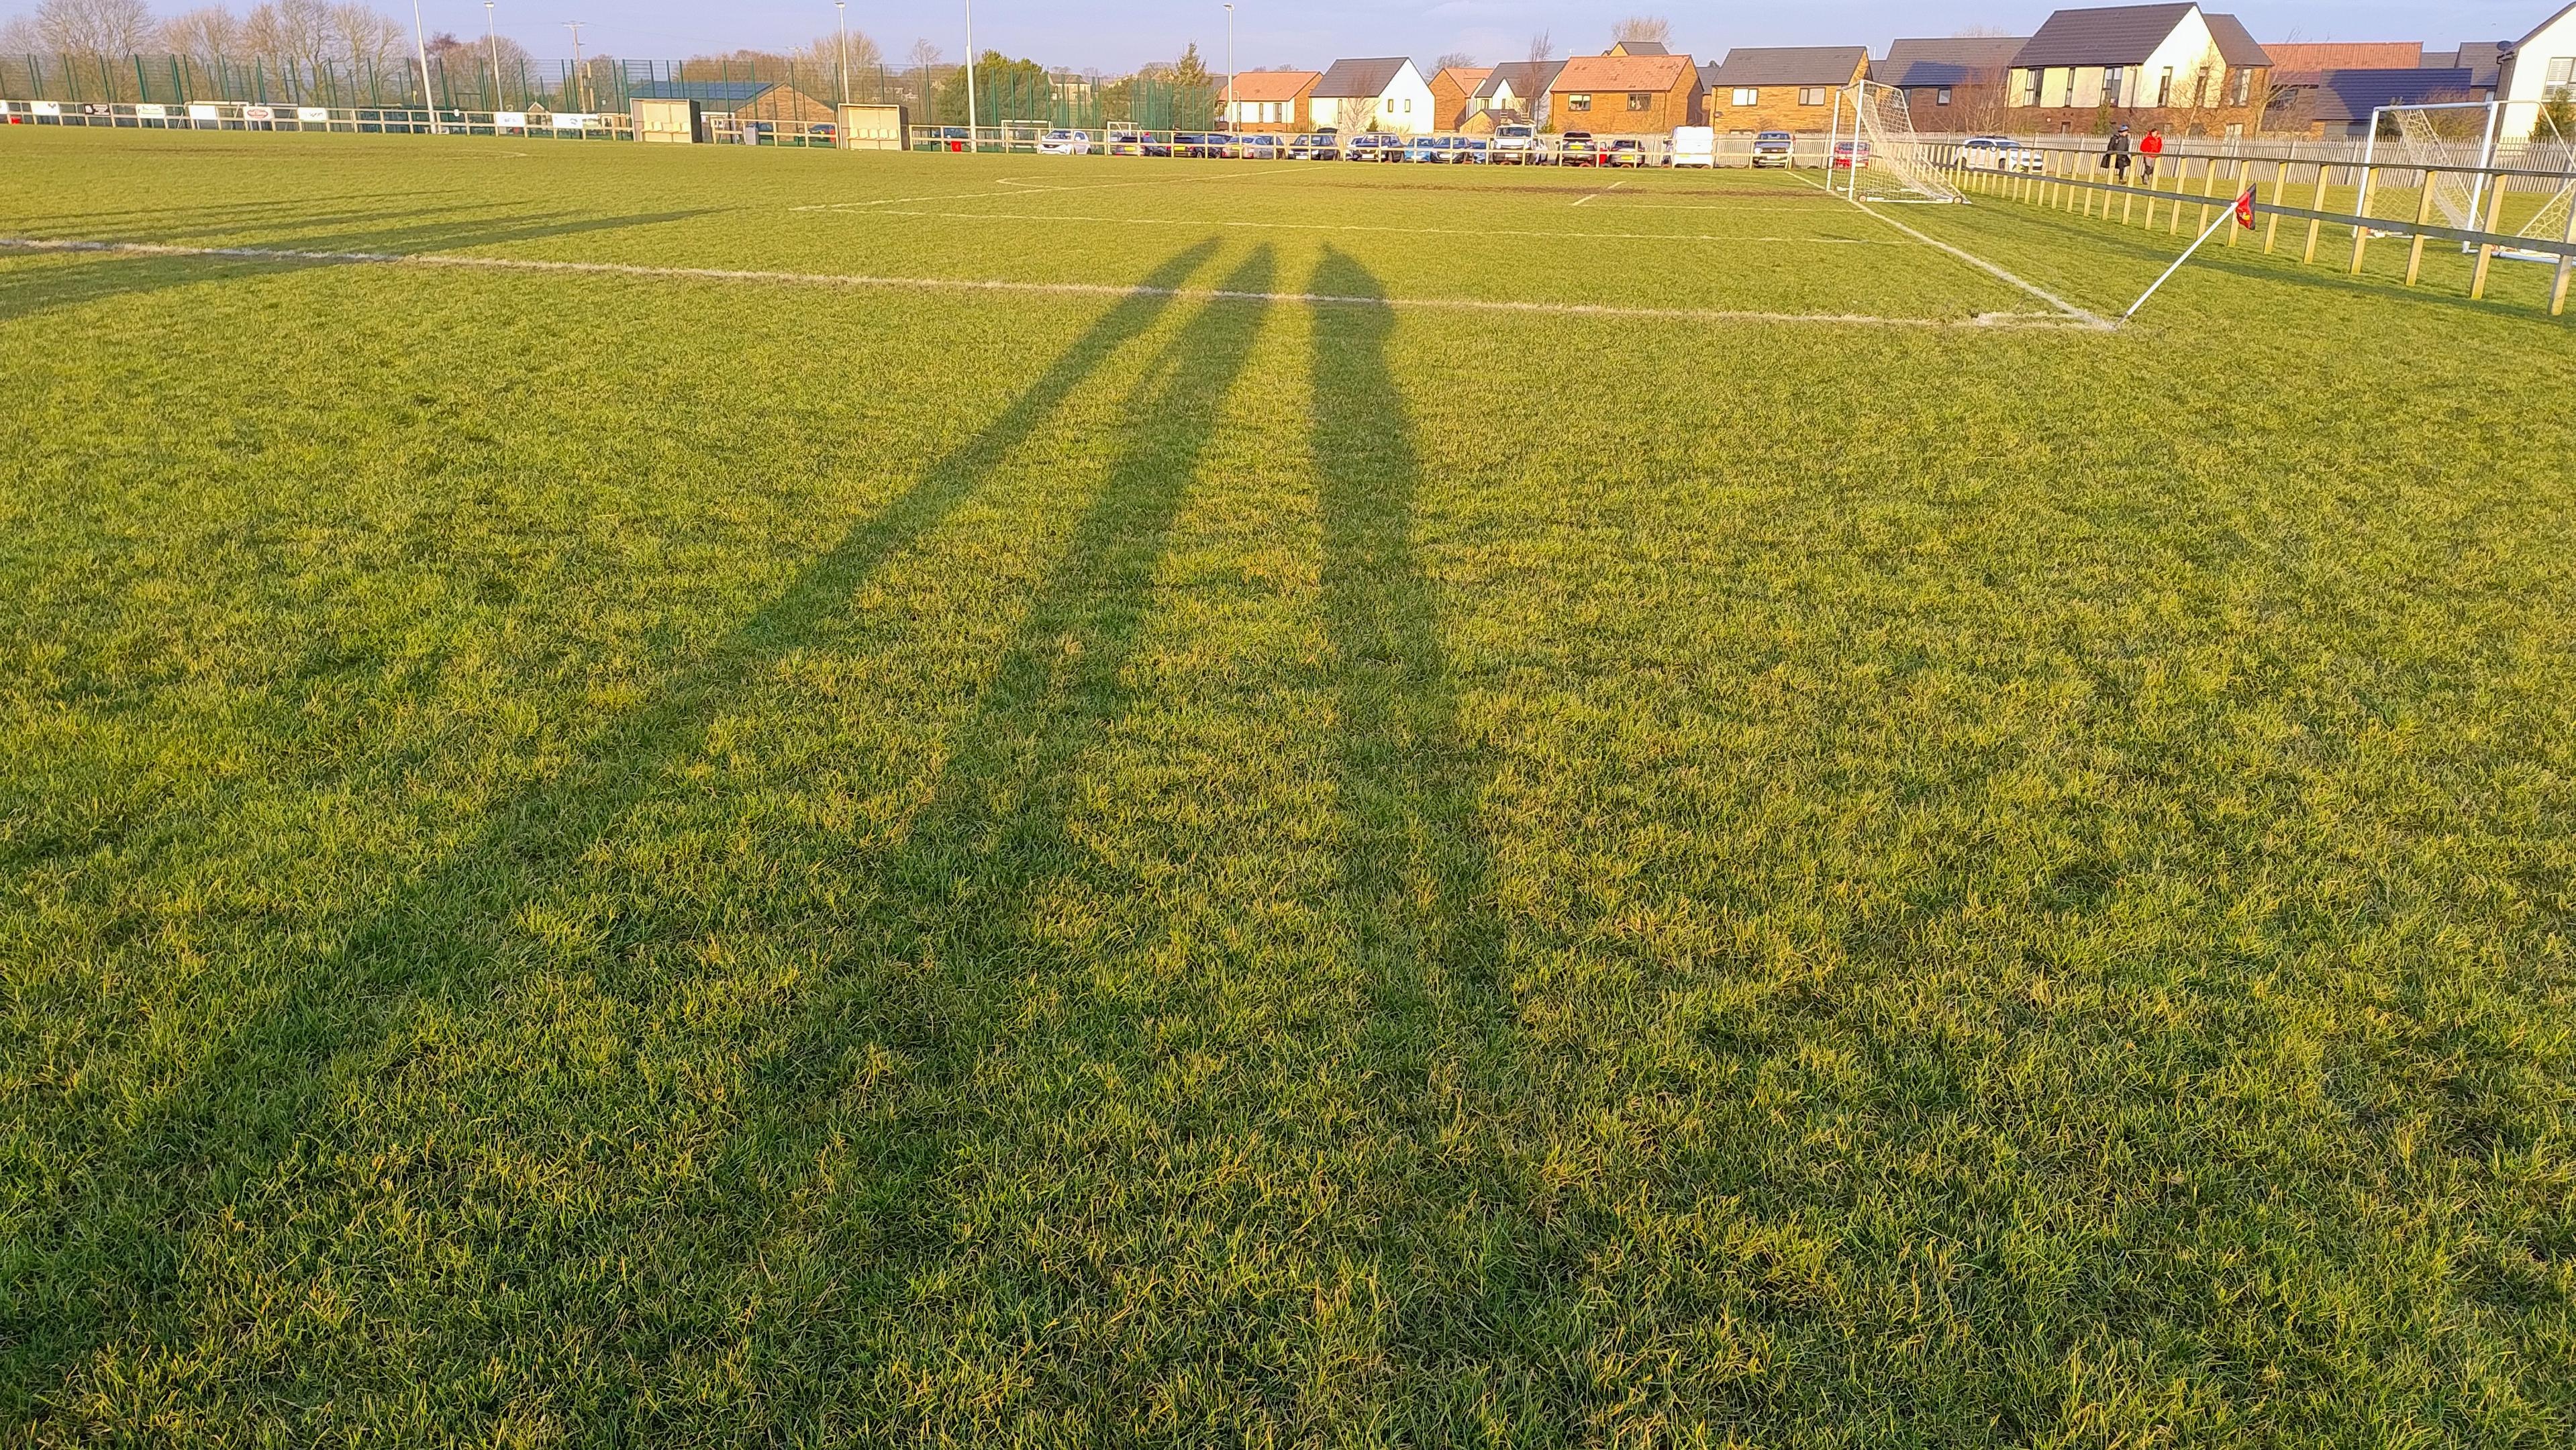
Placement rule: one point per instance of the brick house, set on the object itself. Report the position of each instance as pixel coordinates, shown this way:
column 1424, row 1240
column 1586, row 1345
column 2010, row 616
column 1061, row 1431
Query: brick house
column 1272, row 100
column 1452, row 88
column 2176, row 67
column 1516, row 90
column 1780, row 87
column 1624, row 95
column 2336, row 104
column 1951, row 84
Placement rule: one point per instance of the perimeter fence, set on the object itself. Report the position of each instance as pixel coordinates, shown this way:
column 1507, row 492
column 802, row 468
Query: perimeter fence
column 760, row 88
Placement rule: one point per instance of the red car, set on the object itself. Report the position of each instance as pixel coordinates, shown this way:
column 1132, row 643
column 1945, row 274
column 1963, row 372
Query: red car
column 1848, row 154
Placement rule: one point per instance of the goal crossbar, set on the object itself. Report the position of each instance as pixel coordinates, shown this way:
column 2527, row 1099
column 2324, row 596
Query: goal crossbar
column 1884, row 144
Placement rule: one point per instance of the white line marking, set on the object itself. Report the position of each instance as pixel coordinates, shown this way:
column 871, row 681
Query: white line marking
column 2069, row 309
column 1027, row 188
column 1163, row 221
column 1059, row 289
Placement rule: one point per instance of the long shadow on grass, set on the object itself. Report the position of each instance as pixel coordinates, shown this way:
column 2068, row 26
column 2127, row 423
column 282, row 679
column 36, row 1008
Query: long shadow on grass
column 105, row 1258
column 959, row 953
column 1418, row 881
column 96, row 277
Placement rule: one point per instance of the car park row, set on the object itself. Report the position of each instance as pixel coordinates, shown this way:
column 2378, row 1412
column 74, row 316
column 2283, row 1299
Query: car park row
column 1509, row 145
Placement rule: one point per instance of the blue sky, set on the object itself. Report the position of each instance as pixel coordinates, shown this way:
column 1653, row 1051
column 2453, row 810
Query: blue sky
column 1117, row 34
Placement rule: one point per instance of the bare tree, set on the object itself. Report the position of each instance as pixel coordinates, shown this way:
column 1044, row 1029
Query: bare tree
column 1981, row 32
column 1456, row 59
column 207, row 33
column 1542, row 49
column 1644, row 27
column 293, row 37
column 366, row 38
column 93, row 27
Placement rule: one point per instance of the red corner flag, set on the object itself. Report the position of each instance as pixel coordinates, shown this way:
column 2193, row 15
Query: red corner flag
column 2245, row 209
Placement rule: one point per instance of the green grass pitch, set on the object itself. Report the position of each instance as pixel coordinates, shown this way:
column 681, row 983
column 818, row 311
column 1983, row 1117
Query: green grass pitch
column 1373, row 806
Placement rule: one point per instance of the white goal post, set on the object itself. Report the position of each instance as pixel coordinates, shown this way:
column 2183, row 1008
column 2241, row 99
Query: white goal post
column 2462, row 133
column 1882, row 143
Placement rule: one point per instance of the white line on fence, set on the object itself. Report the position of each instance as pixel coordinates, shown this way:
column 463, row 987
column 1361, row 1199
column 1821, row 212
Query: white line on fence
column 1160, row 221
column 1065, row 289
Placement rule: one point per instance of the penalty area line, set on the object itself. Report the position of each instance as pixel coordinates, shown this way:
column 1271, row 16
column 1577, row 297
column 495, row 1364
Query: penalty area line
column 2032, row 320
column 2074, row 314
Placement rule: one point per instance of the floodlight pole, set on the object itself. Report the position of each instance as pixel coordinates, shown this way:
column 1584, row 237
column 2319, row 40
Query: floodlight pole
column 581, row 92
column 1833, row 133
column 973, row 141
column 843, row 7
column 1233, row 126
column 420, row 43
column 492, row 36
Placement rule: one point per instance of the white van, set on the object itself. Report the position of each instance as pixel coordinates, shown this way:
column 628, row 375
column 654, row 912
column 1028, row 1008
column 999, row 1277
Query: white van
column 1695, row 146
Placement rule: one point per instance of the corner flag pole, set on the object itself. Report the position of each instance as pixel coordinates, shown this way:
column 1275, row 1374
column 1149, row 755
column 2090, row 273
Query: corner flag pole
column 2242, row 211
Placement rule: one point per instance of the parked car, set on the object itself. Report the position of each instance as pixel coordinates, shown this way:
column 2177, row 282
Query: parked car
column 1190, row 143
column 1515, row 143
column 1849, row 155
column 1626, row 151
column 1154, row 145
column 1373, row 146
column 1772, row 148
column 1126, row 143
column 1427, row 149
column 1999, row 153
column 1315, row 146
column 1693, row 146
column 1577, row 148
column 1469, row 151
column 1263, row 146
column 942, row 138
column 1065, row 143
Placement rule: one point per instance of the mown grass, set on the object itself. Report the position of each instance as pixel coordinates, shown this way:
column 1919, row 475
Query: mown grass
column 606, row 859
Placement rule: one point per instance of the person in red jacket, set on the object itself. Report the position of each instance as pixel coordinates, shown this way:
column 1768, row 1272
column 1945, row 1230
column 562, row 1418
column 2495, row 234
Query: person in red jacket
column 2150, row 146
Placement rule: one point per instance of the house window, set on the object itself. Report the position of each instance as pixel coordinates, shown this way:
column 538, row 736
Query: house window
column 2112, row 76
column 2164, row 88
column 1579, row 101
column 2030, row 87
column 1941, row 95
column 2242, row 92
column 1748, row 96
column 2558, row 76
column 1811, row 95
column 1641, row 100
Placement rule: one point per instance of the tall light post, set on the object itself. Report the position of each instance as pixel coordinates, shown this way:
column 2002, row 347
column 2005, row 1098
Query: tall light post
column 843, row 6
column 492, row 36
column 420, row 43
column 1233, row 120
column 973, row 142
column 581, row 84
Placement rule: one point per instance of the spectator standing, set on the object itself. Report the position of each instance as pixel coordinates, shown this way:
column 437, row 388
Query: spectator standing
column 2149, row 148
column 2115, row 154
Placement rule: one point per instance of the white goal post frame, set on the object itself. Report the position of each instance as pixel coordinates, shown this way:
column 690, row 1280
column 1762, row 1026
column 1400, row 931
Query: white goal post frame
column 1915, row 174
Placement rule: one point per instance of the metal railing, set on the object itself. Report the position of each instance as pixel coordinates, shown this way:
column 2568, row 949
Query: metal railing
column 2202, row 183
column 356, row 120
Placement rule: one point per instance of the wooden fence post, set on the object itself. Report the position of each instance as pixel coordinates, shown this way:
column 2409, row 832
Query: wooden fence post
column 2236, row 188
column 2486, row 250
column 2280, row 185
column 2316, row 203
column 2566, row 264
column 2360, row 212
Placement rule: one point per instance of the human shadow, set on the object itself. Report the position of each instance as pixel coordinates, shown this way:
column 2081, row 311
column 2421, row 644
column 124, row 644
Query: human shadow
column 106, row 1256
column 1418, row 884
column 968, row 886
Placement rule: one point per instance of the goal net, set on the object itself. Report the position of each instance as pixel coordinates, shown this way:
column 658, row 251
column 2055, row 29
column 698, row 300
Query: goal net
column 1888, row 161
column 2463, row 133
column 2455, row 134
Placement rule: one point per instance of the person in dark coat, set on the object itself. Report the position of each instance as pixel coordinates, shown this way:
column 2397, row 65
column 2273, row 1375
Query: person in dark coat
column 2116, row 154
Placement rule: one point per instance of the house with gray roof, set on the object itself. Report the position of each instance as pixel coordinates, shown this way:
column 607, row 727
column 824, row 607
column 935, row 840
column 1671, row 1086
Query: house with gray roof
column 1383, row 93
column 1954, row 83
column 1516, row 90
column 2178, row 67
column 1779, row 87
column 2339, row 103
